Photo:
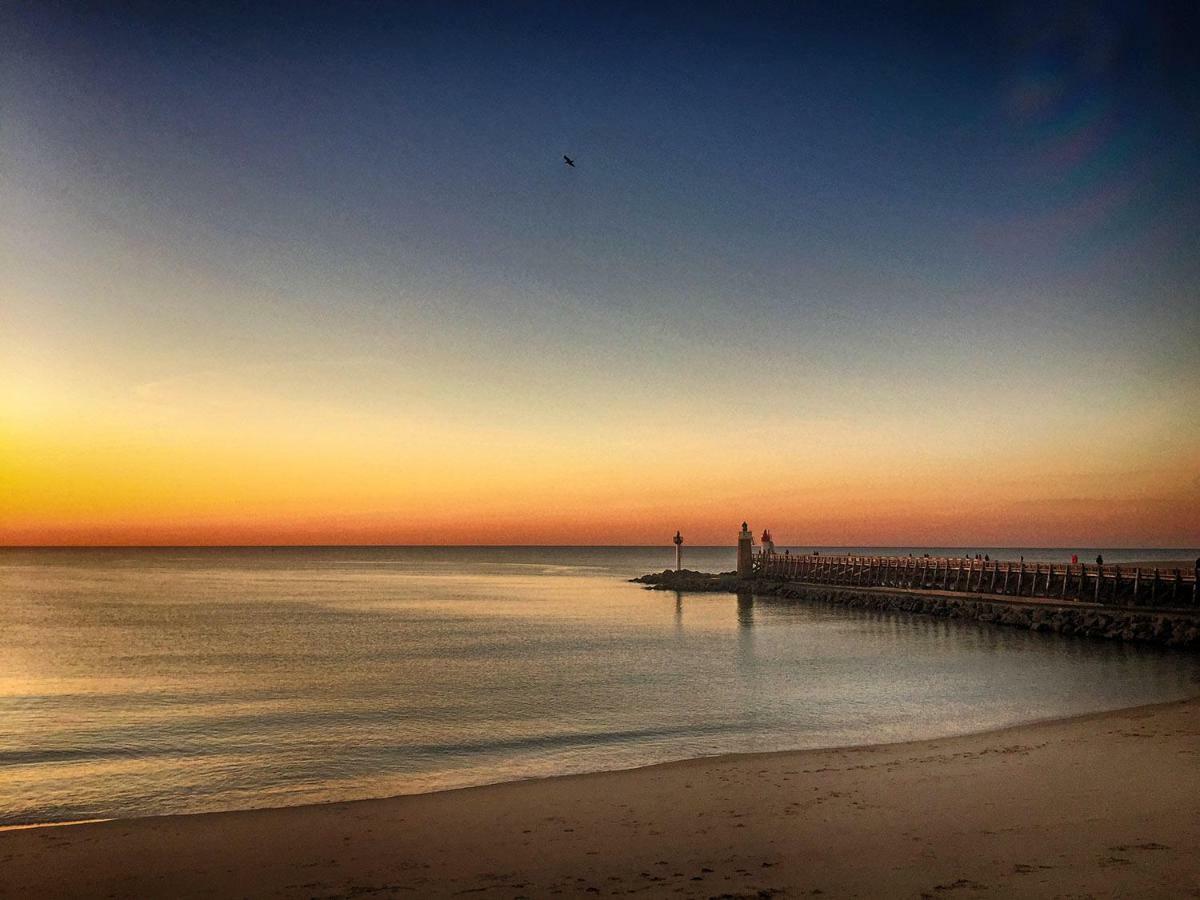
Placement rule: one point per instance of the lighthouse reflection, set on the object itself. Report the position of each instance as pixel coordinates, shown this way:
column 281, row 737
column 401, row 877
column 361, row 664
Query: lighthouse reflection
column 745, row 609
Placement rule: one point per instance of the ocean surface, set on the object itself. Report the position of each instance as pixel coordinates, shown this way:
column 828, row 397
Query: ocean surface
column 140, row 682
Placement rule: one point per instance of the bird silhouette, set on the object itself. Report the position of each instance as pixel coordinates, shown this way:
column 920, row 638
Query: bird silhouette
column 570, row 162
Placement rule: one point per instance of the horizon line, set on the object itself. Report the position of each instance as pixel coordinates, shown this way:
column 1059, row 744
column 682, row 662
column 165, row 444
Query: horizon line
column 666, row 545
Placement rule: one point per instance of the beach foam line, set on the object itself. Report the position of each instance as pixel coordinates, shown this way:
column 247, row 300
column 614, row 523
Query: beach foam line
column 28, row 825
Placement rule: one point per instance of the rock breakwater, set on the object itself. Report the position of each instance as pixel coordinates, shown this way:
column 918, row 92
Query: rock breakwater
column 1170, row 628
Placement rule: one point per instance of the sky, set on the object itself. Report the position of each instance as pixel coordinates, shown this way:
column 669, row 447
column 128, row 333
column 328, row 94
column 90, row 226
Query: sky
column 318, row 274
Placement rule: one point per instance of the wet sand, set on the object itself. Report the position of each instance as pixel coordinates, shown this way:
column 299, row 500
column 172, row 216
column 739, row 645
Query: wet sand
column 1100, row 806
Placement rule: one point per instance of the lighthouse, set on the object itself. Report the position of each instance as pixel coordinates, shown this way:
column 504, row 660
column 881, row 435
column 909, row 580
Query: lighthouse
column 678, row 551
column 745, row 552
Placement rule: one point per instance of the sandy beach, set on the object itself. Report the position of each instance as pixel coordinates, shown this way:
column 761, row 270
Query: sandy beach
column 1106, row 805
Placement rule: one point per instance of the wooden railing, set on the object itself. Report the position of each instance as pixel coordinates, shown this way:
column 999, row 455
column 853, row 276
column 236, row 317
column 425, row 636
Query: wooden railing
column 1113, row 585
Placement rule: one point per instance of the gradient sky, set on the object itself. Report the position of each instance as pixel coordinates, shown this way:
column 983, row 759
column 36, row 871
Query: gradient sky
column 318, row 274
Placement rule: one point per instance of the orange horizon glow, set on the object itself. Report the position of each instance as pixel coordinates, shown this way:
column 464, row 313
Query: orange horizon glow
column 293, row 486
column 220, row 465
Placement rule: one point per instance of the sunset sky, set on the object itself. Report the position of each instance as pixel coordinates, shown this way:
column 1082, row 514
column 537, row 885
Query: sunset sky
column 319, row 275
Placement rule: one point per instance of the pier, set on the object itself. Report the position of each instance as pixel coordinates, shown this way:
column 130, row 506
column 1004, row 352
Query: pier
column 1111, row 585
column 1129, row 603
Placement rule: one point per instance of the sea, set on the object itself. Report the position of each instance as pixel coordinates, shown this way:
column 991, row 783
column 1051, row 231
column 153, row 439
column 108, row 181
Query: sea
column 139, row 682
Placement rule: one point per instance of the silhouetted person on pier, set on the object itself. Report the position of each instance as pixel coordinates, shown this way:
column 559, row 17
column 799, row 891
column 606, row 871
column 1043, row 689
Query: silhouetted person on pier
column 1074, row 559
column 1099, row 560
column 986, row 558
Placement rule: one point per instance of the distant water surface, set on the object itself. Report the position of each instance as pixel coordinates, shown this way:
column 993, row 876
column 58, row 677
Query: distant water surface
column 138, row 682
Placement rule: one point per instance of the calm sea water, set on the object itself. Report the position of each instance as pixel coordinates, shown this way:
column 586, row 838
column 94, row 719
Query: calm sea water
column 136, row 682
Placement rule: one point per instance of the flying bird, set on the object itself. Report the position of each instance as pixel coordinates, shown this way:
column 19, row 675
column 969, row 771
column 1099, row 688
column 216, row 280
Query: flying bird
column 570, row 162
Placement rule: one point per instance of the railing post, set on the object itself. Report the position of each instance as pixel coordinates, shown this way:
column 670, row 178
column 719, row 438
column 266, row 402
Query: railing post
column 1175, row 588
column 1020, row 578
column 1099, row 578
column 1066, row 580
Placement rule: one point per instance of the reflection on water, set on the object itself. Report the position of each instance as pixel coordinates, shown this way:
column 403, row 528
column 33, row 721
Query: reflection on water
column 745, row 609
column 139, row 682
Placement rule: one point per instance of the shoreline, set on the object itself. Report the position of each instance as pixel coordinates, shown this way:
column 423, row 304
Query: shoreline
column 732, row 757
column 265, row 850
